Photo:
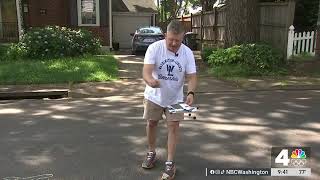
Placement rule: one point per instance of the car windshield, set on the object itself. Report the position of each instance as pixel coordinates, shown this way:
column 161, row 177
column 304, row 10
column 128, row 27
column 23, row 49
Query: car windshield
column 149, row 30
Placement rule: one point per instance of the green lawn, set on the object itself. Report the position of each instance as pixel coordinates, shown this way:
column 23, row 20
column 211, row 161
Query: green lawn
column 239, row 70
column 64, row 70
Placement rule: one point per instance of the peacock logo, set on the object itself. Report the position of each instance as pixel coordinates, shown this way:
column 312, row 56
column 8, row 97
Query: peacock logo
column 298, row 154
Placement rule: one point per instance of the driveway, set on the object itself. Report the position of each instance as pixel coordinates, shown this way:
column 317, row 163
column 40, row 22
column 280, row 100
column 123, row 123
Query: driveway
column 130, row 70
column 130, row 66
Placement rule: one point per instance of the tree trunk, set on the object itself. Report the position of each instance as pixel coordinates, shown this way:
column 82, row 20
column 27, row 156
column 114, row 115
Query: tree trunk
column 242, row 24
column 208, row 5
column 165, row 11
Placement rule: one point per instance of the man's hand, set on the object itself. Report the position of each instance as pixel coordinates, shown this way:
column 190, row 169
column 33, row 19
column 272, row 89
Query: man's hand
column 190, row 99
column 192, row 83
column 147, row 76
column 154, row 83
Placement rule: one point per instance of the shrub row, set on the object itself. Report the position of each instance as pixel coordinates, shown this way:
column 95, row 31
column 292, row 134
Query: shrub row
column 261, row 57
column 53, row 42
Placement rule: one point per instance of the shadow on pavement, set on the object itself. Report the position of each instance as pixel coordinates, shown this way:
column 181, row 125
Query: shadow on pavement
column 104, row 138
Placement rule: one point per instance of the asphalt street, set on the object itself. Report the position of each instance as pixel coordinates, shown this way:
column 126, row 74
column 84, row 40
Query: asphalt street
column 104, row 138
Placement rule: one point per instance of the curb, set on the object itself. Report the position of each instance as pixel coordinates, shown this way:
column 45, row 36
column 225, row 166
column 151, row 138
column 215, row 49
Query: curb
column 73, row 93
column 67, row 94
column 33, row 95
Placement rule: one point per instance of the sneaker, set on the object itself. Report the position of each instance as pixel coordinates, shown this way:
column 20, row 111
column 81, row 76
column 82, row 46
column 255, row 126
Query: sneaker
column 150, row 160
column 170, row 171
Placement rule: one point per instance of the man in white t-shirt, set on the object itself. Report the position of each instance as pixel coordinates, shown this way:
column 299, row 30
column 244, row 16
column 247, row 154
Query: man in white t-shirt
column 167, row 64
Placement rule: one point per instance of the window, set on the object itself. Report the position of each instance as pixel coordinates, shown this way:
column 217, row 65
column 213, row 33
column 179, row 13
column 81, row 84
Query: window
column 149, row 30
column 88, row 13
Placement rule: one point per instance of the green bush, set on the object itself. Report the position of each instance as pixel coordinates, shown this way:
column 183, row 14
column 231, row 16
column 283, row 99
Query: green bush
column 10, row 51
column 260, row 57
column 16, row 51
column 53, row 42
column 3, row 52
column 206, row 52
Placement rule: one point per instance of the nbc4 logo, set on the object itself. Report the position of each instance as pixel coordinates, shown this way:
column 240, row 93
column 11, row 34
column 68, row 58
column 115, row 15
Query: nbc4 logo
column 298, row 154
column 283, row 156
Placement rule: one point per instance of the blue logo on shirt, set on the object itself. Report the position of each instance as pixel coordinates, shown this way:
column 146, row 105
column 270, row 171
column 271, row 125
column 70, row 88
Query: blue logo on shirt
column 170, row 64
column 170, row 61
column 170, row 69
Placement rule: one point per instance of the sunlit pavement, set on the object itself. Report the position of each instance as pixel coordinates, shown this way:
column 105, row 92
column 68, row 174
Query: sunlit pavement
column 104, row 138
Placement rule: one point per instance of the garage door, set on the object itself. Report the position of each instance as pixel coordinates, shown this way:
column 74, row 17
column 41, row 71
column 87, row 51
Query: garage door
column 123, row 25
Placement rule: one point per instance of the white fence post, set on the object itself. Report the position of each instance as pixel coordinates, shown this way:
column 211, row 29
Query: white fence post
column 312, row 43
column 299, row 43
column 290, row 41
column 19, row 18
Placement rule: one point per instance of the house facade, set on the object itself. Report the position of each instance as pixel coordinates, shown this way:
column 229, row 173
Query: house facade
column 93, row 15
column 109, row 20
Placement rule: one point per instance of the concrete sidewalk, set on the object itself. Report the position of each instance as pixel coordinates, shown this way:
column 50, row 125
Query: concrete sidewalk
column 104, row 89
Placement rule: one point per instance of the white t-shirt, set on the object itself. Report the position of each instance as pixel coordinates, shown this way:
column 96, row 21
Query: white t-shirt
column 170, row 69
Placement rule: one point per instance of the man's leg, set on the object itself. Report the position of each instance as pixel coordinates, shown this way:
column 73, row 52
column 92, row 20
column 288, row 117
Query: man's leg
column 152, row 134
column 173, row 120
column 152, row 113
column 173, row 133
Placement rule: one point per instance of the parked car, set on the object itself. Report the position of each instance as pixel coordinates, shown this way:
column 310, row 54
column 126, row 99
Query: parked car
column 145, row 36
column 190, row 40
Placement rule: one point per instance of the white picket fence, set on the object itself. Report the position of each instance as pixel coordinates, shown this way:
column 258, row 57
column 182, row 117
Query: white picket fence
column 300, row 42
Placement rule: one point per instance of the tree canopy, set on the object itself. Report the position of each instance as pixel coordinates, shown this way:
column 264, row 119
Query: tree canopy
column 169, row 9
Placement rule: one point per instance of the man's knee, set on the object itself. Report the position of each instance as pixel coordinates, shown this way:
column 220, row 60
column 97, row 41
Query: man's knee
column 173, row 125
column 152, row 123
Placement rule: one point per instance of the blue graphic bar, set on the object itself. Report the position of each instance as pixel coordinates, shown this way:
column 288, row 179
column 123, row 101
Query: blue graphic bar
column 238, row 172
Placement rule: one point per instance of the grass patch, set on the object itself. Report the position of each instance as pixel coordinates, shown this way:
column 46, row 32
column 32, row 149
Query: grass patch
column 272, row 82
column 241, row 70
column 63, row 70
column 305, row 67
column 304, row 57
column 236, row 70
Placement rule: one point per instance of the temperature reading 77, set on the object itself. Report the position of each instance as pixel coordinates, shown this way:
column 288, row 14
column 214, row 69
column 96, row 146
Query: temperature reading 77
column 282, row 158
column 302, row 171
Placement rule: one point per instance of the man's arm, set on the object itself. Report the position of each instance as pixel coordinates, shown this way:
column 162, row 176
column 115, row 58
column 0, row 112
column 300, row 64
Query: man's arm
column 192, row 84
column 147, row 76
